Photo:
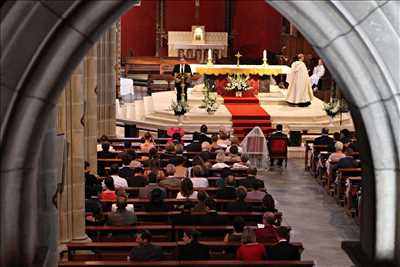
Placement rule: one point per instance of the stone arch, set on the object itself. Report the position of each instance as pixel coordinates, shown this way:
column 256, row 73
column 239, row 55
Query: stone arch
column 365, row 63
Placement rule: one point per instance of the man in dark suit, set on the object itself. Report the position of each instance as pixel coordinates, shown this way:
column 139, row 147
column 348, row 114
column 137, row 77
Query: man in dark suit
column 138, row 179
column 239, row 205
column 212, row 217
column 125, row 171
column 283, row 250
column 105, row 152
column 185, row 217
column 193, row 250
column 278, row 134
column 195, row 146
column 178, row 69
column 228, row 191
column 203, row 134
column 146, row 250
column 324, row 139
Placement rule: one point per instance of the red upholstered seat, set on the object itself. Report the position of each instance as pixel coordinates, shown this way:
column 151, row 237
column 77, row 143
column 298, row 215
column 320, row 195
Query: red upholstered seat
column 278, row 148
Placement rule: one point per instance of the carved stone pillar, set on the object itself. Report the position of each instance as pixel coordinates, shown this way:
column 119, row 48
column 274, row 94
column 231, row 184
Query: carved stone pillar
column 106, row 85
column 71, row 201
column 90, row 106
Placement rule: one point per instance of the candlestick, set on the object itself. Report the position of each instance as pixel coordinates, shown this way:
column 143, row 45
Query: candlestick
column 265, row 58
column 209, row 60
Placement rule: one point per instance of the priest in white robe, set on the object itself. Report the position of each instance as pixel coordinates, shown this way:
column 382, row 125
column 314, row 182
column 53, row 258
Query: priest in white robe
column 318, row 72
column 299, row 91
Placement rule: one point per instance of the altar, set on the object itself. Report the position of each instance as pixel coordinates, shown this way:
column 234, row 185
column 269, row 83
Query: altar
column 219, row 73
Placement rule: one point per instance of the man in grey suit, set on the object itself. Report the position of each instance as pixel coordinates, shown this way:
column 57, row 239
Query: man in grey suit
column 122, row 216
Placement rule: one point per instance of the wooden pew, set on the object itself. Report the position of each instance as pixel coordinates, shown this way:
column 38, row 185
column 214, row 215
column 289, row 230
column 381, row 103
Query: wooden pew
column 120, row 250
column 314, row 157
column 208, row 263
column 350, row 198
column 342, row 175
column 160, row 83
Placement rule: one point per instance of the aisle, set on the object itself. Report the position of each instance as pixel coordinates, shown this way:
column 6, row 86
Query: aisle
column 317, row 221
column 247, row 113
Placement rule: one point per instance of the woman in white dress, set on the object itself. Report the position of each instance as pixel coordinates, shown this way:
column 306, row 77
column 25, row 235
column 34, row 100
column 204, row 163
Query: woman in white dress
column 255, row 146
column 318, row 72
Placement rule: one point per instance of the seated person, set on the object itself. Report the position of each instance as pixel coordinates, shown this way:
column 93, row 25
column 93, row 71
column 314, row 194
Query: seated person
column 251, row 179
column 148, row 143
column 334, row 157
column 90, row 179
column 244, row 162
column 346, row 162
column 186, row 191
column 234, row 154
column 138, row 179
column 223, row 140
column 198, row 161
column 212, row 217
column 109, row 190
column 169, row 151
column 146, row 250
column 122, row 193
column 129, row 150
column 220, row 161
column 197, row 177
column 157, row 201
column 97, row 217
column 92, row 195
column 119, row 182
column 238, row 227
column 193, row 250
column 171, row 180
column 104, row 139
column 201, row 205
column 258, row 192
column 155, row 167
column 278, row 134
column 228, row 191
column 214, row 144
column 134, row 162
column 121, row 216
column 283, row 250
column 105, row 152
column 250, row 250
column 239, row 205
column 205, row 156
column 234, row 142
column 126, row 170
column 180, row 169
column 185, row 217
column 203, row 137
column 195, row 146
column 268, row 234
column 324, row 139
column 146, row 191
column 268, row 204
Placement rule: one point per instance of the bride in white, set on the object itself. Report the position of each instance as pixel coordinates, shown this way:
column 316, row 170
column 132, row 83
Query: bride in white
column 255, row 146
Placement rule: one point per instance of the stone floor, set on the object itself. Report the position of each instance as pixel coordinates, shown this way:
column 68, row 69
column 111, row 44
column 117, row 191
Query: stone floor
column 317, row 221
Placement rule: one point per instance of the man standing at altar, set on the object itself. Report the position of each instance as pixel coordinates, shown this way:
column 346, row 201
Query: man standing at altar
column 182, row 74
column 299, row 90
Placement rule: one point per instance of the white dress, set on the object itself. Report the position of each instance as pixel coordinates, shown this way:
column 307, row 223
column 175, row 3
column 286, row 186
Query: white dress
column 299, row 90
column 255, row 146
column 318, row 72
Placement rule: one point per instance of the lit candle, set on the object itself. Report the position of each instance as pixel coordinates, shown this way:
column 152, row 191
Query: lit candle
column 209, row 54
column 265, row 54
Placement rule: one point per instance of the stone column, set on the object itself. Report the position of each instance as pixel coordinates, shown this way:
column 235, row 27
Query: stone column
column 90, row 106
column 71, row 201
column 106, row 85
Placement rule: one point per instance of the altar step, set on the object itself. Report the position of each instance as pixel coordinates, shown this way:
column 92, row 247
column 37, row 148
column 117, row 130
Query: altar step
column 241, row 100
column 251, row 123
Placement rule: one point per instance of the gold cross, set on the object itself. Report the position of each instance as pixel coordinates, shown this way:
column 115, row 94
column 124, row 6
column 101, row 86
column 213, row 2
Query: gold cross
column 238, row 55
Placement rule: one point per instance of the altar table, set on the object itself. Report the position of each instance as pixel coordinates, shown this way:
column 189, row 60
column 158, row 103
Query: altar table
column 254, row 72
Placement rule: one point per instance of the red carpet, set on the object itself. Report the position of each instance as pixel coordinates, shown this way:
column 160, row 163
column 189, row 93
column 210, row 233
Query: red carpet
column 246, row 114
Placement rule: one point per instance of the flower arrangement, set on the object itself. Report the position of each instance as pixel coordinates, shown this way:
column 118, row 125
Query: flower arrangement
column 336, row 107
column 238, row 83
column 179, row 108
column 210, row 102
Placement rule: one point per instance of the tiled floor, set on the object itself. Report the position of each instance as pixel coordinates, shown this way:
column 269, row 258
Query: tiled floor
column 317, row 221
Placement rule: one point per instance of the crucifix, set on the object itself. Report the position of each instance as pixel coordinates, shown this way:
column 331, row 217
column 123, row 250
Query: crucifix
column 238, row 55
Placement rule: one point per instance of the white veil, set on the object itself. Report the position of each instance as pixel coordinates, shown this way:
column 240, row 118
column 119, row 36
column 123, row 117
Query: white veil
column 255, row 145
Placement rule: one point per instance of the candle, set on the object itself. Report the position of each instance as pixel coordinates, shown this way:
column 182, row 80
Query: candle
column 265, row 54
column 209, row 54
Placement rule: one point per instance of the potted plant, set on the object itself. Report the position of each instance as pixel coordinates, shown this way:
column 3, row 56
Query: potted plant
column 210, row 103
column 335, row 107
column 179, row 109
column 238, row 83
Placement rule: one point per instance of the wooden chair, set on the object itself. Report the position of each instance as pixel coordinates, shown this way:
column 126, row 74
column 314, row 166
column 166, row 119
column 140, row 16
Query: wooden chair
column 278, row 149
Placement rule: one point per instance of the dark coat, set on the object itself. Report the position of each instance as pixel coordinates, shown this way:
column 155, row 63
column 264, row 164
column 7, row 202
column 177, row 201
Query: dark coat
column 283, row 251
column 325, row 140
column 226, row 192
column 145, row 253
column 126, row 172
column 213, row 218
column 195, row 146
column 136, row 181
column 194, row 251
column 346, row 162
column 238, row 206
